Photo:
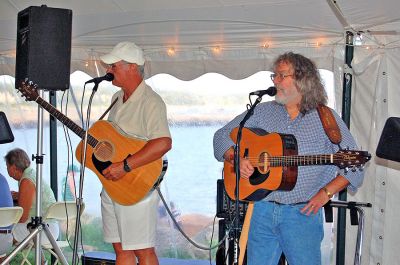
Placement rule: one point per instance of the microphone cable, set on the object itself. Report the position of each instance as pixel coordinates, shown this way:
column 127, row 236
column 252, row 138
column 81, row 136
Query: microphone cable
column 184, row 234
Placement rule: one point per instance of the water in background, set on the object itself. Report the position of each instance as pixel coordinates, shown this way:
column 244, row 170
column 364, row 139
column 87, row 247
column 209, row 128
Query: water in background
column 190, row 181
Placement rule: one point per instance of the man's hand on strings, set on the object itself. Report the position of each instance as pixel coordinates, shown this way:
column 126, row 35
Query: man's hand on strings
column 115, row 171
column 246, row 168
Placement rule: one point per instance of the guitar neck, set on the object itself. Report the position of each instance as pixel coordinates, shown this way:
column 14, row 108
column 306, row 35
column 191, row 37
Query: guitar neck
column 302, row 160
column 66, row 121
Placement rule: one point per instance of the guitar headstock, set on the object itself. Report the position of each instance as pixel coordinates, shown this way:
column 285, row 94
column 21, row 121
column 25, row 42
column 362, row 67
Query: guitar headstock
column 353, row 159
column 29, row 90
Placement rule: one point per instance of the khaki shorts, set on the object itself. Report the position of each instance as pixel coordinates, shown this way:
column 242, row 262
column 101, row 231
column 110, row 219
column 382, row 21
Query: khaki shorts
column 134, row 225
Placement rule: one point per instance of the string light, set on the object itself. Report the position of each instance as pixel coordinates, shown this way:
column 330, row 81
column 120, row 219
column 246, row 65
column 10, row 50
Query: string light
column 171, row 51
column 216, row 50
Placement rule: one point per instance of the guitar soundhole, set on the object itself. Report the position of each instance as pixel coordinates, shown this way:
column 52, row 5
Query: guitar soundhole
column 263, row 163
column 104, row 151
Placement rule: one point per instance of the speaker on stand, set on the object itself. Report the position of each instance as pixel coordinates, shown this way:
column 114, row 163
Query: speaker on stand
column 6, row 135
column 43, row 52
column 389, row 142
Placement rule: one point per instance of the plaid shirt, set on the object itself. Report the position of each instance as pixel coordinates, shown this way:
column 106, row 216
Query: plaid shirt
column 311, row 139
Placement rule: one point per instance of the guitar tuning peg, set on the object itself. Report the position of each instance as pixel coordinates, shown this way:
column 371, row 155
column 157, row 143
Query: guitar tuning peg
column 346, row 169
column 353, row 169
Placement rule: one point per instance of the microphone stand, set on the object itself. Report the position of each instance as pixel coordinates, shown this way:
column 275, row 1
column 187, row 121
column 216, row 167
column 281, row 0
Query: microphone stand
column 236, row 160
column 81, row 178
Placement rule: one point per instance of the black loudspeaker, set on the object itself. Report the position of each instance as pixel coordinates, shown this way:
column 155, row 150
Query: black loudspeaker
column 389, row 143
column 6, row 135
column 226, row 206
column 44, row 47
column 98, row 258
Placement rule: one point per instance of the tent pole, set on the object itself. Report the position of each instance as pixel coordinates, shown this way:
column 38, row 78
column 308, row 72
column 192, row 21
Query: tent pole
column 53, row 152
column 346, row 105
column 53, row 147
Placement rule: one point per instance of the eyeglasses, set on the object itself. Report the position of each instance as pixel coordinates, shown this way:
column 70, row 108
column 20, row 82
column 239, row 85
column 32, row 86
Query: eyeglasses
column 279, row 76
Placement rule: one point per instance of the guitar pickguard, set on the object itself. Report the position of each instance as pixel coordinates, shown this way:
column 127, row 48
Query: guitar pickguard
column 257, row 177
column 100, row 165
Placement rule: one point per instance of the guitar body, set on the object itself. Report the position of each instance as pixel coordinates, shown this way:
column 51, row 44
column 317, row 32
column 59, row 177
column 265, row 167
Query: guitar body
column 115, row 147
column 259, row 145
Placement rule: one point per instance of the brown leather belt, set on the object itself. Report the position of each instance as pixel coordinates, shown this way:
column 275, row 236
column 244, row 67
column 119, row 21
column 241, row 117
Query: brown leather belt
column 8, row 231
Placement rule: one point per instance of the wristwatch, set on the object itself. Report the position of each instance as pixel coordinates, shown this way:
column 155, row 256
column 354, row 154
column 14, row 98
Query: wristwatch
column 127, row 168
column 330, row 195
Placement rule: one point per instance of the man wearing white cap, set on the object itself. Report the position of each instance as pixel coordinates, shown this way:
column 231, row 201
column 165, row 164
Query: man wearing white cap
column 141, row 112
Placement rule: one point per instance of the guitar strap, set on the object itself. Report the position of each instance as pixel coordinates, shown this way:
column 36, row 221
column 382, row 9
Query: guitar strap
column 108, row 109
column 329, row 123
column 332, row 131
column 244, row 234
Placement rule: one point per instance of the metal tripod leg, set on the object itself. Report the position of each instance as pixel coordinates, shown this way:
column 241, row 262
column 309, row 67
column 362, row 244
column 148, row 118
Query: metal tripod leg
column 22, row 245
column 56, row 248
column 357, row 257
column 36, row 232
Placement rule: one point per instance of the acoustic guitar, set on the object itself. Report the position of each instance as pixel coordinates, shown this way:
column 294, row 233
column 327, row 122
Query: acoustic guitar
column 275, row 160
column 107, row 144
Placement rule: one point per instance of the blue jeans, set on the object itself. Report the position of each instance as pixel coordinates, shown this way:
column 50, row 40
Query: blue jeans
column 277, row 228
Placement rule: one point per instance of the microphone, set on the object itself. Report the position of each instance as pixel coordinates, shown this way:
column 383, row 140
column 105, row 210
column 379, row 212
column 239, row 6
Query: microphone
column 107, row 77
column 271, row 91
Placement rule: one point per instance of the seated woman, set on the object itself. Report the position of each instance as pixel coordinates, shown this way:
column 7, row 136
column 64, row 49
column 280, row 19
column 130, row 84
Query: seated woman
column 6, row 238
column 18, row 167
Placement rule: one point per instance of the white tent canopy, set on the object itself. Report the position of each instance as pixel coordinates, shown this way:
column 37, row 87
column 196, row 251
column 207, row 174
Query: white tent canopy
column 211, row 36
column 240, row 37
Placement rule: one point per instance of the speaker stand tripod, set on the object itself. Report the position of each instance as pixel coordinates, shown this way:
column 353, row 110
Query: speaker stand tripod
column 37, row 225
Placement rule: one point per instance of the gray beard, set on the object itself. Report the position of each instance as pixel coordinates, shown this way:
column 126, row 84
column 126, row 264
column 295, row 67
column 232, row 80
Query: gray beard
column 281, row 101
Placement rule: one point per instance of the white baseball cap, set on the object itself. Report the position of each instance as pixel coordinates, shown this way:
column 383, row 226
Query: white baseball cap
column 124, row 51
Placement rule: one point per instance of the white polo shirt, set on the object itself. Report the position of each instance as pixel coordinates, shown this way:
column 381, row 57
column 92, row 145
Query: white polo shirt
column 144, row 114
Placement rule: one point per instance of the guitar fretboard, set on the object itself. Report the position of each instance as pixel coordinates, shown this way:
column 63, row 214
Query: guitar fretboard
column 66, row 121
column 304, row 160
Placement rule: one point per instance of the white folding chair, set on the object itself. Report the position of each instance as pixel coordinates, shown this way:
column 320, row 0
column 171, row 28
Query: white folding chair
column 62, row 211
column 9, row 216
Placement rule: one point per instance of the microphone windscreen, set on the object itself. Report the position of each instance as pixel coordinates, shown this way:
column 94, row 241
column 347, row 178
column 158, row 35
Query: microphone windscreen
column 109, row 77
